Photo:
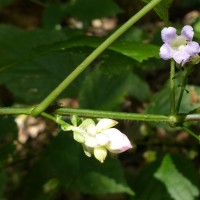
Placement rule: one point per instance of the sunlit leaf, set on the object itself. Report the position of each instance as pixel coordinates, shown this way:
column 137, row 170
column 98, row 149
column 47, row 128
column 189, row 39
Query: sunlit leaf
column 147, row 187
column 162, row 9
column 178, row 186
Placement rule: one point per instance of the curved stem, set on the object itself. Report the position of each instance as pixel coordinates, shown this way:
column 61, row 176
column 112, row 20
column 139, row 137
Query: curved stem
column 183, row 85
column 191, row 133
column 172, row 89
column 65, row 83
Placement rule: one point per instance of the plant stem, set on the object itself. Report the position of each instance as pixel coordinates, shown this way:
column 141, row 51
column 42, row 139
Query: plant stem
column 58, row 120
column 172, row 89
column 183, row 85
column 65, row 83
column 89, row 113
column 16, row 110
column 191, row 133
column 112, row 115
column 193, row 117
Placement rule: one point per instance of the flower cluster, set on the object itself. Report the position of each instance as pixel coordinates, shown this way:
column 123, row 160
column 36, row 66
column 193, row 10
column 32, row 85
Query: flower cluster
column 181, row 48
column 99, row 138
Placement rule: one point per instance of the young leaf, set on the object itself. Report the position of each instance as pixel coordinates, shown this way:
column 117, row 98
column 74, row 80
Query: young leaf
column 178, row 186
column 162, row 9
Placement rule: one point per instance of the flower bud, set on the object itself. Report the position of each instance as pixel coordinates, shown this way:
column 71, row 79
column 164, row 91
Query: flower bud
column 118, row 142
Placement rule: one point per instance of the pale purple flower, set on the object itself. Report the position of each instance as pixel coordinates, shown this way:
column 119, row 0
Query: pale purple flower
column 181, row 48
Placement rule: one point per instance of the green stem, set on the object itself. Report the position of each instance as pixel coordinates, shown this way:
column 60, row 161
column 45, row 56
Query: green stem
column 113, row 115
column 102, row 114
column 89, row 113
column 172, row 89
column 57, row 120
column 183, row 85
column 191, row 133
column 65, row 83
column 16, row 110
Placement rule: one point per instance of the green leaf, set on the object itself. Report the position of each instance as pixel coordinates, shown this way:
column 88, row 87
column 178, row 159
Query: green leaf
column 146, row 186
column 136, row 50
column 162, row 9
column 134, row 34
column 97, row 183
column 160, row 101
column 16, row 45
column 86, row 10
column 114, row 63
column 53, row 14
column 30, row 82
column 103, row 91
column 178, row 186
column 136, row 85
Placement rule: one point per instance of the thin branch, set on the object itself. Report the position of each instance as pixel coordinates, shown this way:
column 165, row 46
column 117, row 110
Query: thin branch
column 80, row 68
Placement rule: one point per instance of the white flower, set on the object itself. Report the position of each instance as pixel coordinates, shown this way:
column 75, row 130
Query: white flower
column 100, row 138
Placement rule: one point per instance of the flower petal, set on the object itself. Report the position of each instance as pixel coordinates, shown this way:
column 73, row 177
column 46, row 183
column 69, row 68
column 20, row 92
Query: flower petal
column 166, row 52
column 118, row 142
column 102, row 139
column 187, row 31
column 91, row 142
column 181, row 57
column 88, row 151
column 168, row 34
column 192, row 48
